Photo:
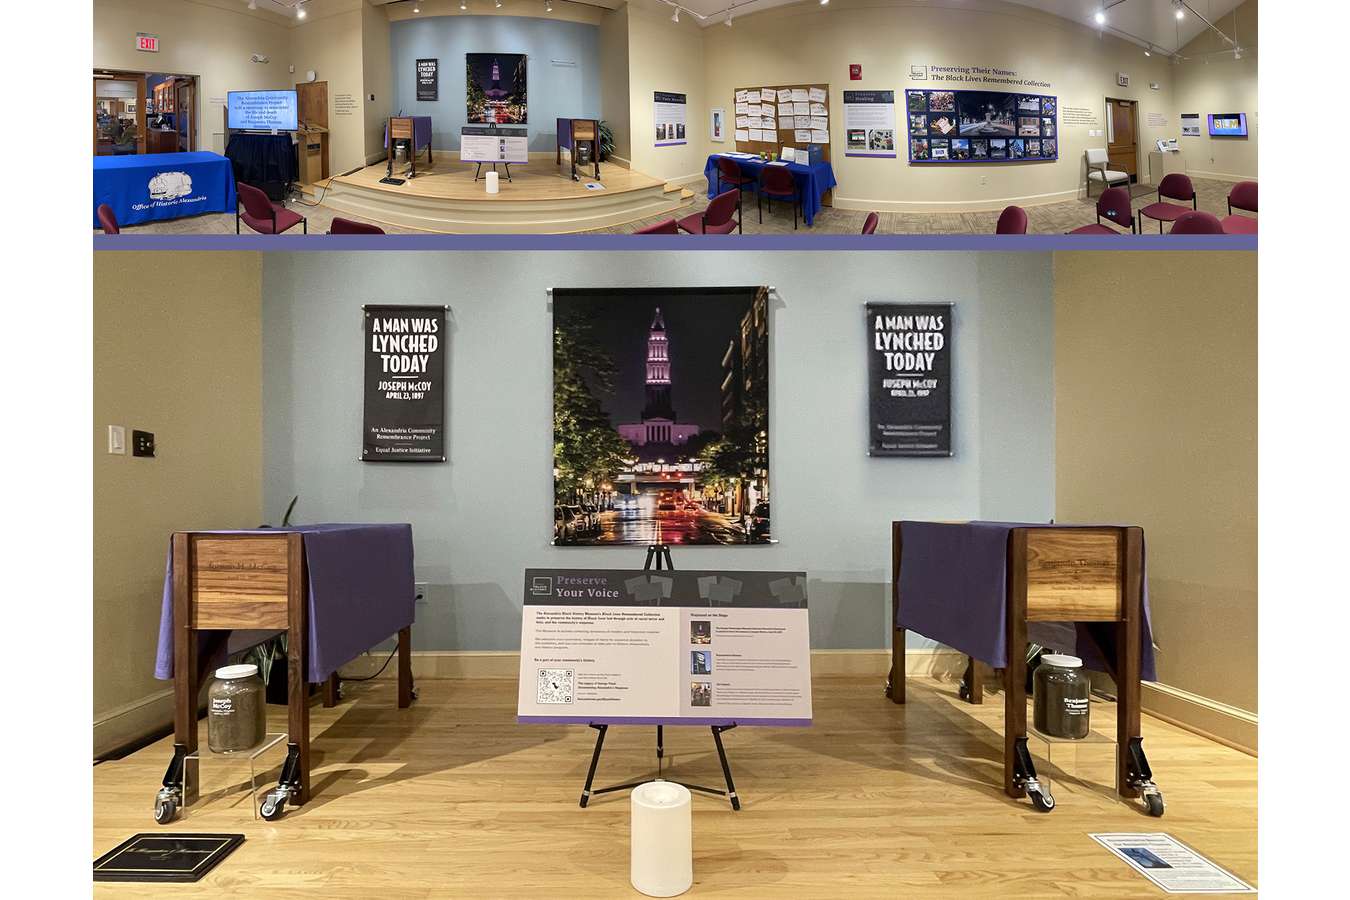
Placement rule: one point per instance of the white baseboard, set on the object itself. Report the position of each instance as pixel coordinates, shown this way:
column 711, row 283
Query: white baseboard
column 1217, row 721
column 949, row 206
column 131, row 721
column 1220, row 176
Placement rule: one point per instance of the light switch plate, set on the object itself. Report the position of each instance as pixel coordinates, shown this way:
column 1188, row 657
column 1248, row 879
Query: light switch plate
column 117, row 439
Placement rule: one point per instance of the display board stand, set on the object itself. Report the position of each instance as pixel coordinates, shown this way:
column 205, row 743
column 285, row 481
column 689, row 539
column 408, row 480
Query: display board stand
column 477, row 173
column 658, row 560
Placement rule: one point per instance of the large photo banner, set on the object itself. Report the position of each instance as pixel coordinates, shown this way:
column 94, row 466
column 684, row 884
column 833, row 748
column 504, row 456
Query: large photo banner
column 661, row 416
column 909, row 374
column 495, row 88
column 404, row 414
column 634, row 646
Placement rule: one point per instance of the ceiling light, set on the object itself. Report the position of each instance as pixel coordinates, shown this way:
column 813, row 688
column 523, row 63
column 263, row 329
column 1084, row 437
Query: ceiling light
column 252, row 4
column 824, row 2
column 499, row 4
column 1181, row 10
column 548, row 5
column 463, row 5
column 1100, row 17
column 676, row 17
column 1148, row 51
column 416, row 8
column 300, row 11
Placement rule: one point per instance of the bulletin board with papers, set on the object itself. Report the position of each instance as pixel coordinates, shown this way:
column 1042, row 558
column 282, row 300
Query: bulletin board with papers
column 768, row 118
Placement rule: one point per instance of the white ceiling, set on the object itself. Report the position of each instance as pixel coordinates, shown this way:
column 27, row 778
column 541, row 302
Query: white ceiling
column 1143, row 21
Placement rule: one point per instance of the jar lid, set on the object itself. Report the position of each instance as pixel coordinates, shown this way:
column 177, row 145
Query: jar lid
column 230, row 673
column 1062, row 661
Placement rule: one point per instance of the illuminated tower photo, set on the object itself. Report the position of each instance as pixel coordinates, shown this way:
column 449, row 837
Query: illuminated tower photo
column 658, row 425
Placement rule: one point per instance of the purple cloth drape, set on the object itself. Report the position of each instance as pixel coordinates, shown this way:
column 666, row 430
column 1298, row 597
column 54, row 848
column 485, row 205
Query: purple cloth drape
column 953, row 589
column 361, row 591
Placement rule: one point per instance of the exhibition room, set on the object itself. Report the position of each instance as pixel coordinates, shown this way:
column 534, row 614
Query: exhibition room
column 652, row 572
column 727, row 117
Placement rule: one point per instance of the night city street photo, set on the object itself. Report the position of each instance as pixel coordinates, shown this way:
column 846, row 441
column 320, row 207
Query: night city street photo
column 661, row 416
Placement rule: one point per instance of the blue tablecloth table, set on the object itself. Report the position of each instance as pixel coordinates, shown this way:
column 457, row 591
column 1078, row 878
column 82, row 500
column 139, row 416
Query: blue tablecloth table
column 151, row 187
column 813, row 181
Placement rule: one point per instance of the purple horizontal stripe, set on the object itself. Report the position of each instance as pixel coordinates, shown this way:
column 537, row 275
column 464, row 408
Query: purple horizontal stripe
column 872, row 155
column 660, row 720
column 1028, row 243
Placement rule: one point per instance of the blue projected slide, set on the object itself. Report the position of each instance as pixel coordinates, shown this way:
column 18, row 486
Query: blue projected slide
column 263, row 110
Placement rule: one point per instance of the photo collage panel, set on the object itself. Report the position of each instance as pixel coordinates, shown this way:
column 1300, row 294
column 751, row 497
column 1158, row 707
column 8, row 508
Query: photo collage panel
column 981, row 126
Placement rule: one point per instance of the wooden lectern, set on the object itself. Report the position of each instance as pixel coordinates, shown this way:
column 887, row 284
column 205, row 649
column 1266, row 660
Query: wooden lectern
column 573, row 133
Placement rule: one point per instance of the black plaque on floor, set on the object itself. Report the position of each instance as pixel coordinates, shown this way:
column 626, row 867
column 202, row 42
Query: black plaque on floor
column 165, row 857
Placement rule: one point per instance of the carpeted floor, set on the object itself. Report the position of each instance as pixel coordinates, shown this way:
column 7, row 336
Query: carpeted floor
column 1054, row 218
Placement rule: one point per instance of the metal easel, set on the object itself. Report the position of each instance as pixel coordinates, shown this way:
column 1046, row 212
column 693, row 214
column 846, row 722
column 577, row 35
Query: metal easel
column 658, row 560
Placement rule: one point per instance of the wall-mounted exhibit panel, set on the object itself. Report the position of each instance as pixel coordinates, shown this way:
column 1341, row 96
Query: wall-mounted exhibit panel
column 981, row 126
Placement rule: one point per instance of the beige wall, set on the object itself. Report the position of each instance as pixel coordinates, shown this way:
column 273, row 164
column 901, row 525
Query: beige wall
column 614, row 97
column 666, row 56
column 177, row 351
column 329, row 42
column 1155, row 425
column 377, row 72
column 1211, row 80
column 815, row 44
column 210, row 41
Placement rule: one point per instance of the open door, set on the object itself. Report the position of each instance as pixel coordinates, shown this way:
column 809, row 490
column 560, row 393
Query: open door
column 185, row 102
column 1122, row 136
column 119, row 114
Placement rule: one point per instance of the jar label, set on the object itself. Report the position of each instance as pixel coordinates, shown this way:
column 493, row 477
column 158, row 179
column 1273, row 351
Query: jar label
column 222, row 706
column 1075, row 707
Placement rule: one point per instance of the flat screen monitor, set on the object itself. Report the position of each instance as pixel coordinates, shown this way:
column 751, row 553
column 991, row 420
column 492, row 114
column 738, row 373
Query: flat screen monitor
column 263, row 110
column 1228, row 124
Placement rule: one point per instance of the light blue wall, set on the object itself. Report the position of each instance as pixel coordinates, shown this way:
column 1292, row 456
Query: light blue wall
column 481, row 518
column 563, row 69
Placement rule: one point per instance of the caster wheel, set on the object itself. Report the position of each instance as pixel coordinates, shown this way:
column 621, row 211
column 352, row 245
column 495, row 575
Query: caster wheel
column 886, row 691
column 1153, row 804
column 272, row 807
column 964, row 691
column 1043, row 802
column 165, row 811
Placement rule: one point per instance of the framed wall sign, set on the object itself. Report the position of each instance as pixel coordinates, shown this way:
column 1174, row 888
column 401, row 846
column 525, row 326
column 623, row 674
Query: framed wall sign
column 717, row 126
column 428, row 79
column 404, row 417
column 909, row 374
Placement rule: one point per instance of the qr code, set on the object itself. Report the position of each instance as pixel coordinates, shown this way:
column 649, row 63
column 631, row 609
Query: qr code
column 555, row 685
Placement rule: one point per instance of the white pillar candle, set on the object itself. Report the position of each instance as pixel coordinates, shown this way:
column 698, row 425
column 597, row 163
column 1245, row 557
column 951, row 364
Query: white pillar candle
column 492, row 182
column 662, row 863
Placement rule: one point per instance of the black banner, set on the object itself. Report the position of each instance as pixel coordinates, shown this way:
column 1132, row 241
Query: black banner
column 404, row 418
column 428, row 79
column 909, row 373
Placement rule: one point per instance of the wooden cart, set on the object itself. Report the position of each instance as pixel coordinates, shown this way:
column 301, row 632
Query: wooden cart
column 254, row 581
column 1059, row 574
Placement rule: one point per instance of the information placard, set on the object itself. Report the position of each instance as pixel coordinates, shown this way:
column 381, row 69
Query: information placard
column 647, row 647
column 428, row 79
column 869, row 123
column 493, row 144
column 1171, row 865
column 909, row 371
column 671, row 121
column 404, row 417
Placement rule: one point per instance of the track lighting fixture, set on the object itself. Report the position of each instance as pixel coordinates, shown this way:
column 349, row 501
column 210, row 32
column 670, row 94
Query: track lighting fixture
column 1181, row 10
column 300, row 11
column 499, row 4
column 824, row 2
column 1100, row 17
column 463, row 5
column 548, row 6
column 1148, row 51
column 252, row 4
column 676, row 17
column 728, row 21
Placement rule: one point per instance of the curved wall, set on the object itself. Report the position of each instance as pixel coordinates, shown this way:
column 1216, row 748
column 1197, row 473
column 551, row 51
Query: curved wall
column 563, row 69
column 810, row 43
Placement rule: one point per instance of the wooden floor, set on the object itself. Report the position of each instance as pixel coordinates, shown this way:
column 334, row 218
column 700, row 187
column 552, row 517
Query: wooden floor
column 453, row 799
column 449, row 179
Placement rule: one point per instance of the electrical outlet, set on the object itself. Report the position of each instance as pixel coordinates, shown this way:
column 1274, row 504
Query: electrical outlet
column 142, row 443
column 117, row 439
column 984, row 179
column 420, row 591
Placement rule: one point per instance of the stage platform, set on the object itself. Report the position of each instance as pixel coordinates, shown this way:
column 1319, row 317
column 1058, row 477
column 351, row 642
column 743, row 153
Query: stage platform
column 539, row 199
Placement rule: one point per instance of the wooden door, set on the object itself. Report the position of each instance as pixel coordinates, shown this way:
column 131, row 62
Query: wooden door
column 117, row 105
column 1122, row 148
column 185, row 117
column 313, row 101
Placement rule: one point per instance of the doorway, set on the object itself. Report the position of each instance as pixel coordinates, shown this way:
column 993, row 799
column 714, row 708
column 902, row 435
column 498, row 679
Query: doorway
column 1122, row 136
column 144, row 112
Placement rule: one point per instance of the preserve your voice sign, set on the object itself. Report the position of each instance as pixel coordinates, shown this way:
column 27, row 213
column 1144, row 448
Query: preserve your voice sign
column 650, row 647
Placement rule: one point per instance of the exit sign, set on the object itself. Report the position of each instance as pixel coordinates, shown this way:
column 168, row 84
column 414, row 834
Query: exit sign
column 147, row 42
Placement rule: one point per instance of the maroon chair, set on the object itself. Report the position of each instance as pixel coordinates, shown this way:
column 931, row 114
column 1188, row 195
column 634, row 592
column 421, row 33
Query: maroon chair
column 729, row 172
column 870, row 226
column 262, row 215
column 1013, row 220
column 106, row 220
column 777, row 183
column 1197, row 222
column 347, row 226
column 669, row 226
column 718, row 218
column 1114, row 204
column 1242, row 196
column 1176, row 187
